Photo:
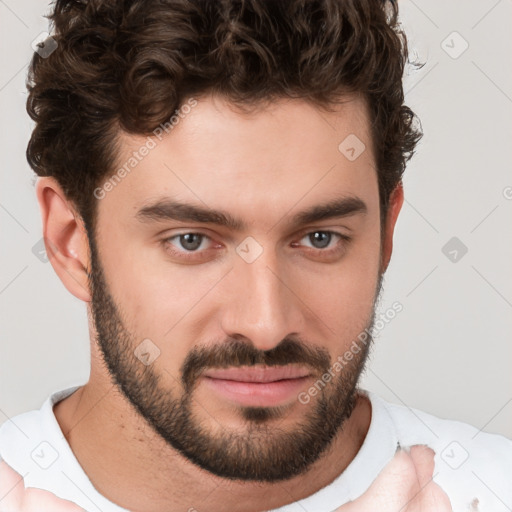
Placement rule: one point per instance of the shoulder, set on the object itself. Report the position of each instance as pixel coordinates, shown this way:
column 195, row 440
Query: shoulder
column 18, row 433
column 15, row 497
column 472, row 466
column 29, row 461
column 415, row 425
column 30, row 442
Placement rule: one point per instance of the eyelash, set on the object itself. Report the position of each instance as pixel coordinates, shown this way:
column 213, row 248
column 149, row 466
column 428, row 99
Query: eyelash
column 180, row 253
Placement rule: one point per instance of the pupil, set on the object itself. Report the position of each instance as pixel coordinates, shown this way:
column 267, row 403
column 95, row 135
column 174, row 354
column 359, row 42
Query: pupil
column 322, row 237
column 188, row 243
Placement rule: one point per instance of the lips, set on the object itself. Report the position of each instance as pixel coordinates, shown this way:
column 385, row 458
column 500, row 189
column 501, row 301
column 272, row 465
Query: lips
column 258, row 374
column 257, row 386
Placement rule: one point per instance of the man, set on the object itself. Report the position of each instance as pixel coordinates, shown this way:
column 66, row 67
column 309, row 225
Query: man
column 220, row 182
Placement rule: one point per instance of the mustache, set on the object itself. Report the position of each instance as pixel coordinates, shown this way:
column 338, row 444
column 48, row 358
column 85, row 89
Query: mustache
column 236, row 352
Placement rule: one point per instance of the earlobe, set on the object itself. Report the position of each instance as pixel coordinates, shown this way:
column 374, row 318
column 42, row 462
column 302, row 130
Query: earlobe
column 65, row 237
column 395, row 204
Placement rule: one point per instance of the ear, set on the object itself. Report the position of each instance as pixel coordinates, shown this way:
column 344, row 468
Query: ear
column 65, row 237
column 395, row 204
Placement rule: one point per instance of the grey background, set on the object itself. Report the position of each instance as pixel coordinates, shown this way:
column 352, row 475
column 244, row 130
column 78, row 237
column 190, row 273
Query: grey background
column 449, row 351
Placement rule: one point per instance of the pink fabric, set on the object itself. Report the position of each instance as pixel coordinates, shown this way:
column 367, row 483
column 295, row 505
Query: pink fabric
column 14, row 497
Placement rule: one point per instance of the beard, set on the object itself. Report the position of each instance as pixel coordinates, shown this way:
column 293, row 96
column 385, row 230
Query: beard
column 261, row 451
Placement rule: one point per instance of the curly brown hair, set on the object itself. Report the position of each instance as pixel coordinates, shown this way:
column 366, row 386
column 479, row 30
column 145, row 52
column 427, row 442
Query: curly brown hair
column 129, row 64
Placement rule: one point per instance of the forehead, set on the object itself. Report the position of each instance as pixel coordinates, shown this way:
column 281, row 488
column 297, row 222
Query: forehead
column 261, row 162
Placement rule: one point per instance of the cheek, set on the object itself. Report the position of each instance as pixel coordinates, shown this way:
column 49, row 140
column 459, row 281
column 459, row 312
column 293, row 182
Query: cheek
column 164, row 303
column 343, row 295
column 151, row 290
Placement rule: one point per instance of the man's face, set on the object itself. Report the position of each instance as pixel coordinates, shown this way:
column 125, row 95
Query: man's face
column 179, row 304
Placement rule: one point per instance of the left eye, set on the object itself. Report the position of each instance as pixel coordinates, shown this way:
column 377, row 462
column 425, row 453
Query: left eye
column 322, row 239
column 189, row 241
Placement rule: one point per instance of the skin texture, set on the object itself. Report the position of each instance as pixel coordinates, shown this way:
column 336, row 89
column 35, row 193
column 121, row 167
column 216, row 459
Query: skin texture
column 262, row 168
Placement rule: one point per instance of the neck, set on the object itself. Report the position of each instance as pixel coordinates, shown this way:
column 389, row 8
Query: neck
column 132, row 466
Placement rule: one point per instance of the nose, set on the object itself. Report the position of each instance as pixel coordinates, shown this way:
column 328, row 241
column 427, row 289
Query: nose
column 264, row 305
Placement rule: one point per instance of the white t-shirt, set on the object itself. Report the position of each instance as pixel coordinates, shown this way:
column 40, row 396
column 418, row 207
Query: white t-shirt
column 469, row 464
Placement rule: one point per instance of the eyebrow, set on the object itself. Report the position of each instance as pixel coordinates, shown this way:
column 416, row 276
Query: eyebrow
column 169, row 209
